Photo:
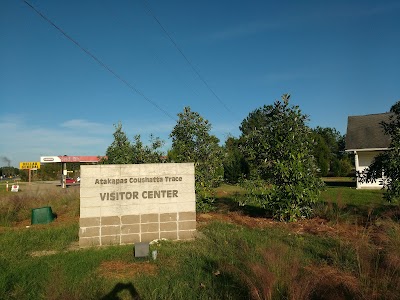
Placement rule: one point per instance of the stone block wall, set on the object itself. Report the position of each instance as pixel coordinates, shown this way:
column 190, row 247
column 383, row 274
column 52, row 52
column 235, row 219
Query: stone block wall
column 125, row 204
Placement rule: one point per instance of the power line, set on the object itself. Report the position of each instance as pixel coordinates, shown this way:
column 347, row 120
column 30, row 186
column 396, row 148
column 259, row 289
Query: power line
column 183, row 55
column 133, row 88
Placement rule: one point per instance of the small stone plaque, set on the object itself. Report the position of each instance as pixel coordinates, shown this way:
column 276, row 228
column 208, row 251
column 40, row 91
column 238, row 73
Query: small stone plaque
column 141, row 249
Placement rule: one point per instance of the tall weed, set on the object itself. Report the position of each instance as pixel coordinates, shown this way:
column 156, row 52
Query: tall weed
column 378, row 259
column 17, row 207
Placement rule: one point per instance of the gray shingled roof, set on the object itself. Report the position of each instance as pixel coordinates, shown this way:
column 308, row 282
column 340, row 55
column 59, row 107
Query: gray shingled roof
column 365, row 132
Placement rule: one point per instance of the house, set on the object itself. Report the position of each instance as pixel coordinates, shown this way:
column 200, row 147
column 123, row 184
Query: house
column 366, row 139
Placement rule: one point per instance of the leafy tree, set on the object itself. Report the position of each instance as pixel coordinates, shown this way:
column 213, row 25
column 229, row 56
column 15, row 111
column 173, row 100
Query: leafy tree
column 344, row 162
column 23, row 175
column 329, row 152
column 9, row 171
column 278, row 144
column 147, row 154
column 342, row 166
column 235, row 165
column 122, row 151
column 331, row 137
column 192, row 142
column 50, row 171
column 322, row 154
column 388, row 162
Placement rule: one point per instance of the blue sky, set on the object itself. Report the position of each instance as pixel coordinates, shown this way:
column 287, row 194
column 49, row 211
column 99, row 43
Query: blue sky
column 335, row 58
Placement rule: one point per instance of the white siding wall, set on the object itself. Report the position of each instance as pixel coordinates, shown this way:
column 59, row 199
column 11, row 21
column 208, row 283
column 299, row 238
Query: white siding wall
column 363, row 160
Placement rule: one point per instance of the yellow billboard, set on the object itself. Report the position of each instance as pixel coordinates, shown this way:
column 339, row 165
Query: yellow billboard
column 29, row 165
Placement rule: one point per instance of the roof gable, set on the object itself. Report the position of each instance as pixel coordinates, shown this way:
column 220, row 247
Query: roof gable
column 366, row 132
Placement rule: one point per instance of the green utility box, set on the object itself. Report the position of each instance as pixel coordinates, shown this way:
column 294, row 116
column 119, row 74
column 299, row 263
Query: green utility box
column 42, row 215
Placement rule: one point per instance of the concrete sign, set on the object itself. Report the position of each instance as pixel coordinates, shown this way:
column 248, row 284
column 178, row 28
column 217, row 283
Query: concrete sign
column 124, row 204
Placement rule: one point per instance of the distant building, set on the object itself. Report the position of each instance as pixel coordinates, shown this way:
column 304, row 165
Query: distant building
column 366, row 139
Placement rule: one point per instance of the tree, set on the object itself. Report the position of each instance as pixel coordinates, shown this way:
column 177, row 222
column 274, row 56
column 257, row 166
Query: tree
column 235, row 165
column 9, row 171
column 331, row 137
column 322, row 154
column 388, row 162
column 192, row 142
column 278, row 144
column 122, row 151
column 51, row 171
column 341, row 166
column 147, row 154
column 329, row 152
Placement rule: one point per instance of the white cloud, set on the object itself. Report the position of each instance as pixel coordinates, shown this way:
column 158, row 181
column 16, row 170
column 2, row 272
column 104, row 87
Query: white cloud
column 242, row 30
column 9, row 122
column 366, row 10
column 327, row 13
column 156, row 128
column 24, row 141
column 284, row 76
column 87, row 126
column 225, row 130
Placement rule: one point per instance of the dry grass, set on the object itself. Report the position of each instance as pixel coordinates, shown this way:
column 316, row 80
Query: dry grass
column 364, row 265
column 122, row 270
column 325, row 282
column 16, row 208
column 378, row 258
column 269, row 278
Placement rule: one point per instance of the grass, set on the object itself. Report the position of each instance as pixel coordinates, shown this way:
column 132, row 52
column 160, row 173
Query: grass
column 355, row 206
column 338, row 179
column 351, row 196
column 349, row 250
column 17, row 207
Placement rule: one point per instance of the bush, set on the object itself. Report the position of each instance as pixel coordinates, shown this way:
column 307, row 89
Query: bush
column 279, row 145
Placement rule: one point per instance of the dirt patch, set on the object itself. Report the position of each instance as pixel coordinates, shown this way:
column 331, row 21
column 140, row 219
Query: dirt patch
column 121, row 270
column 235, row 218
column 43, row 253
